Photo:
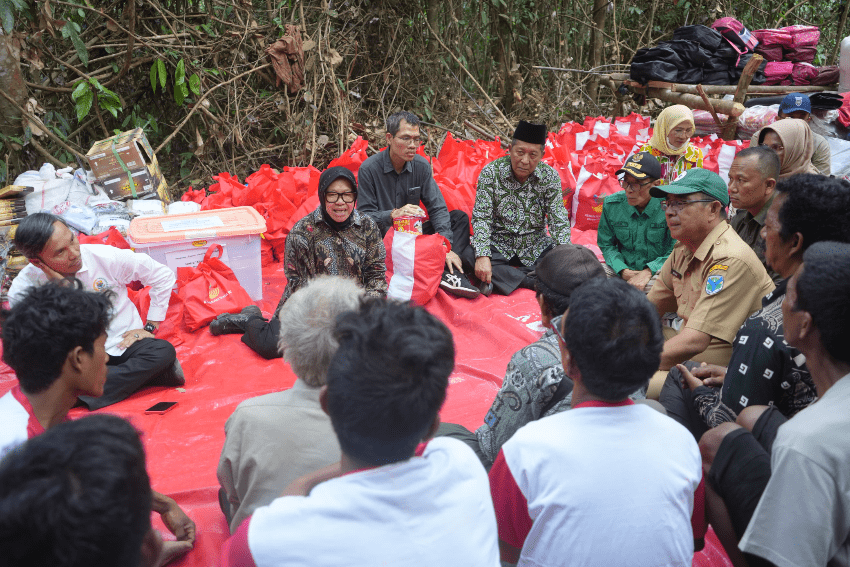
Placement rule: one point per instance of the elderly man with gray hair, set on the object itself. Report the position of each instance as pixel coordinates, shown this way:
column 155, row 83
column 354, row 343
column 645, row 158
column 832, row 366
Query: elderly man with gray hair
column 273, row 439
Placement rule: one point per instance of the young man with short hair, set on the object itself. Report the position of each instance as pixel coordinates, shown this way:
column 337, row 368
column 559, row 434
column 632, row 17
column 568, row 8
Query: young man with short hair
column 390, row 500
column 76, row 496
column 609, row 482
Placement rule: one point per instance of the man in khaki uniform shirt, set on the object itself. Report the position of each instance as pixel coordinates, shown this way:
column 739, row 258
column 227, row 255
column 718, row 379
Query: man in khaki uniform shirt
column 712, row 280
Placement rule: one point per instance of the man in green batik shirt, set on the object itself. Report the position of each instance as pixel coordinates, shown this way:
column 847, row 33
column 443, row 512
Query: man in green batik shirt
column 633, row 233
column 517, row 196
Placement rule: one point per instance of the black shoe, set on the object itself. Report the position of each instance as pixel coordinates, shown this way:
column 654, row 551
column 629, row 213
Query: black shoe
column 171, row 377
column 485, row 288
column 229, row 323
column 457, row 284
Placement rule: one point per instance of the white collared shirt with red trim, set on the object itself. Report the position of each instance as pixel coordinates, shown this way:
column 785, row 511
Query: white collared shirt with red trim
column 17, row 421
column 601, row 484
column 432, row 509
column 106, row 268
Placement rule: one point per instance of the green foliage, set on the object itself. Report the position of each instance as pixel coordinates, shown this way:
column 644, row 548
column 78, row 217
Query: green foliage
column 72, row 30
column 182, row 86
column 158, row 70
column 83, row 97
column 7, row 16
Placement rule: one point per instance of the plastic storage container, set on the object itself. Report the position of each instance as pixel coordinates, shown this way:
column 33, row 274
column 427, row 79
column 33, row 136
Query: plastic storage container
column 844, row 66
column 182, row 240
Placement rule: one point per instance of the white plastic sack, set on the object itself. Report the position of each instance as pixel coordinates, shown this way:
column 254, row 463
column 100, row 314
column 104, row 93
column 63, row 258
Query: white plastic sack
column 53, row 188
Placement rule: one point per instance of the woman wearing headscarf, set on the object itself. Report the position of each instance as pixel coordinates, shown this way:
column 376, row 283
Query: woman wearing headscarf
column 792, row 141
column 671, row 143
column 335, row 239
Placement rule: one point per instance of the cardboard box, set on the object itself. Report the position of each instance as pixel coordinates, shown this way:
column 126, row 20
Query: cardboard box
column 127, row 157
column 182, row 240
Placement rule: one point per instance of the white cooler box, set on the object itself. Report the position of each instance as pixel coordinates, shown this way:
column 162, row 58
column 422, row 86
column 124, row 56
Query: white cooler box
column 182, row 240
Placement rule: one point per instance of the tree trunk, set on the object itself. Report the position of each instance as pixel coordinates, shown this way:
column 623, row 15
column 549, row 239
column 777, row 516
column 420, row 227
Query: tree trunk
column 12, row 83
column 597, row 40
column 433, row 14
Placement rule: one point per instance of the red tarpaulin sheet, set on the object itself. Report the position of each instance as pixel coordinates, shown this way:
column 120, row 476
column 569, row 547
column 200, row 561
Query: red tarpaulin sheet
column 183, row 445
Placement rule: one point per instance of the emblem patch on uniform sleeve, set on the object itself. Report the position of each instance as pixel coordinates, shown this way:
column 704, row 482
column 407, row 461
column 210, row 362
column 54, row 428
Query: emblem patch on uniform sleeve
column 713, row 285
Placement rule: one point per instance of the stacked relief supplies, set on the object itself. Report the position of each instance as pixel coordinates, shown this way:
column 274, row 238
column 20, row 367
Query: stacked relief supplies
column 696, row 55
column 790, row 52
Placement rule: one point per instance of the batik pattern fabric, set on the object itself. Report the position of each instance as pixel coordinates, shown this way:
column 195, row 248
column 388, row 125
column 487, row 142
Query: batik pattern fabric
column 673, row 166
column 511, row 216
column 313, row 248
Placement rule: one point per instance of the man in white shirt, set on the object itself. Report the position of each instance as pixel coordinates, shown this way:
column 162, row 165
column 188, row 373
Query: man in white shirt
column 136, row 358
column 609, row 482
column 397, row 497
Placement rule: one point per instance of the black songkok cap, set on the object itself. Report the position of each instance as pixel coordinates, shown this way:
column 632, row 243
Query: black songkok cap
column 531, row 133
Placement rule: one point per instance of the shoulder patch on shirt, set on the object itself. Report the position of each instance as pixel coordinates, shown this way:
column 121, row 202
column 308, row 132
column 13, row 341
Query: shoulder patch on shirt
column 716, row 267
column 713, row 284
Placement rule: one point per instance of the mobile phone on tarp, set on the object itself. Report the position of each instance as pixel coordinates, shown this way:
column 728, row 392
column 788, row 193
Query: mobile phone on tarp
column 161, row 407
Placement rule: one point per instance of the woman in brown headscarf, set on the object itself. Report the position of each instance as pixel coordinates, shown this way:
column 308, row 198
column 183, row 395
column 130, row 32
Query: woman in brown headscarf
column 792, row 141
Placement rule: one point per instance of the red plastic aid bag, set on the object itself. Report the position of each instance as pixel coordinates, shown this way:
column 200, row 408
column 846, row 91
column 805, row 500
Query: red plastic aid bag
column 589, row 196
column 209, row 289
column 414, row 265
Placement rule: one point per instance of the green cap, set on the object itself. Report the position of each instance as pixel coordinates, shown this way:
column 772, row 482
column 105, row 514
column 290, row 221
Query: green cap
column 695, row 181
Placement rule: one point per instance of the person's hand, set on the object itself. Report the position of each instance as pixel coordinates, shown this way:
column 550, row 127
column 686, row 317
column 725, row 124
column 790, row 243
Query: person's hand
column 452, row 262
column 628, row 274
column 483, row 269
column 689, row 381
column 52, row 275
column 175, row 519
column 640, row 279
column 711, row 374
column 408, row 211
column 302, row 485
column 178, row 523
column 132, row 336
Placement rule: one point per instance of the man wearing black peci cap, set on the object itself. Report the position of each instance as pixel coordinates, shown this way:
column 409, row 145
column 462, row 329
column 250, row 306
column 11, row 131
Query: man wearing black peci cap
column 712, row 279
column 633, row 233
column 335, row 239
column 517, row 196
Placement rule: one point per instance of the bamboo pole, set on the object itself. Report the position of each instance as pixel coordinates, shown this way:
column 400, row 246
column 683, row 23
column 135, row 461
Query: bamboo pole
column 746, row 76
column 728, row 107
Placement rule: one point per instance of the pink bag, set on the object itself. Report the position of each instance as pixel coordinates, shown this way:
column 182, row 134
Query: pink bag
column 738, row 36
column 770, row 52
column 778, row 71
column 827, row 75
column 803, row 36
column 804, row 74
column 801, row 54
column 773, row 37
column 415, row 265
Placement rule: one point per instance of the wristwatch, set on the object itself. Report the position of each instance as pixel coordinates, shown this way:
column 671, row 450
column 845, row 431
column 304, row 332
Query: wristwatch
column 150, row 327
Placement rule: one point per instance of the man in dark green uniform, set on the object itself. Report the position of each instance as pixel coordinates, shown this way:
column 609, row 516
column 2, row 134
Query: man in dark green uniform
column 633, row 233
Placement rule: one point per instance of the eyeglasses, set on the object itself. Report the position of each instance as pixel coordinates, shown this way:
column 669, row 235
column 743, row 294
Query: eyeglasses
column 556, row 326
column 683, row 131
column 408, row 140
column 332, row 197
column 633, row 186
column 677, row 206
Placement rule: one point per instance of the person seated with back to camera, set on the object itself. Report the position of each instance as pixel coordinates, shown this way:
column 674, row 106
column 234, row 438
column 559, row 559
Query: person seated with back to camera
column 335, row 239
column 535, row 384
column 397, row 497
column 77, row 496
column 273, row 439
column 54, row 338
column 609, row 470
column 633, row 235
column 136, row 358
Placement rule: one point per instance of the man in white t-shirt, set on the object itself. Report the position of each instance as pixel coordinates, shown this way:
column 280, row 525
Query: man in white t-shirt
column 610, row 482
column 136, row 358
column 395, row 497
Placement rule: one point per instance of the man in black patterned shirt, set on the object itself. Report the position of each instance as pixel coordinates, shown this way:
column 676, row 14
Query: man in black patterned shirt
column 764, row 370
